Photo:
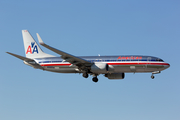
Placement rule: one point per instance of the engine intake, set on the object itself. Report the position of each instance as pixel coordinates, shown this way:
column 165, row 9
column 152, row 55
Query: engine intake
column 101, row 68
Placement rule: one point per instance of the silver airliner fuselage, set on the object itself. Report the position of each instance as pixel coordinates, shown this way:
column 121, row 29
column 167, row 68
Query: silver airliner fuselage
column 126, row 64
column 113, row 67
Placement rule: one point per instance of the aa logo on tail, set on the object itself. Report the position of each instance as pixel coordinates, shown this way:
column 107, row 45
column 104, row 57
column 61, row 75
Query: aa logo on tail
column 32, row 47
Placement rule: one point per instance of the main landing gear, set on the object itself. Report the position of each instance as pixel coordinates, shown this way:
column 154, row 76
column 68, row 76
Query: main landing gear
column 95, row 79
column 85, row 75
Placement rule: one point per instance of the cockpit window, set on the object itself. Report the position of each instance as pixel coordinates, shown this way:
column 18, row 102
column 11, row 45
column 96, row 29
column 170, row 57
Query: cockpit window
column 160, row 60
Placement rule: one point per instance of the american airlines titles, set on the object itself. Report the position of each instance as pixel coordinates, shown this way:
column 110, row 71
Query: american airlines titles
column 129, row 58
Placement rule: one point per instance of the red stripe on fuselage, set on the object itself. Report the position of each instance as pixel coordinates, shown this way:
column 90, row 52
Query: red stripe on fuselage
column 125, row 63
column 56, row 64
column 137, row 63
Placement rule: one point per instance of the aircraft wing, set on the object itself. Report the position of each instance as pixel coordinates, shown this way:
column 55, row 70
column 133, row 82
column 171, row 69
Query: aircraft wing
column 68, row 57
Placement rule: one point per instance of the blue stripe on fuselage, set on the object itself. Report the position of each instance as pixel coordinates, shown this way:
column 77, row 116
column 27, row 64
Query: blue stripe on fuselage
column 102, row 59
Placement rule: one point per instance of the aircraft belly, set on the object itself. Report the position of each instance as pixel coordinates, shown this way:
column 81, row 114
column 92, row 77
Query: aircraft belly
column 116, row 68
column 137, row 68
column 61, row 69
column 129, row 68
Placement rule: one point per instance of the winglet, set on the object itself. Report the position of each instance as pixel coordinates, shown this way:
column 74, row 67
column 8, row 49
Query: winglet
column 39, row 39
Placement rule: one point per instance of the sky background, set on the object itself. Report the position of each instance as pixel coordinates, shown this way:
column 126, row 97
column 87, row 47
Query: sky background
column 81, row 27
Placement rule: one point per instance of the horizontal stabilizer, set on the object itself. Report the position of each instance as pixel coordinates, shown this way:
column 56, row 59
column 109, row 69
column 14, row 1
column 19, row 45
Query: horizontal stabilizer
column 27, row 61
column 20, row 57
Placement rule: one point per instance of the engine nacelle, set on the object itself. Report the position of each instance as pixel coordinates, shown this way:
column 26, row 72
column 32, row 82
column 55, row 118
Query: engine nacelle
column 115, row 75
column 101, row 68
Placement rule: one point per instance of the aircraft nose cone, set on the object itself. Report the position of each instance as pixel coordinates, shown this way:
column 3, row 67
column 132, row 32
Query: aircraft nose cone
column 167, row 65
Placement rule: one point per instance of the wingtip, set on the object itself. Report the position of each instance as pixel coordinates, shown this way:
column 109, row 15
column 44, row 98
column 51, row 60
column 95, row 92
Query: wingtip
column 39, row 39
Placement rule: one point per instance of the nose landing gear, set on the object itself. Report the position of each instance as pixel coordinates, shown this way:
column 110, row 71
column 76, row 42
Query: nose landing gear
column 155, row 72
column 152, row 76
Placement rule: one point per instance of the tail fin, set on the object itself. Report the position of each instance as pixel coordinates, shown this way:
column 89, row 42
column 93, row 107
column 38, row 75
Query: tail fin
column 32, row 49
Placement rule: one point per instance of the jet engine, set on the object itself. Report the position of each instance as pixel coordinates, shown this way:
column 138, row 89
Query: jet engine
column 115, row 75
column 101, row 68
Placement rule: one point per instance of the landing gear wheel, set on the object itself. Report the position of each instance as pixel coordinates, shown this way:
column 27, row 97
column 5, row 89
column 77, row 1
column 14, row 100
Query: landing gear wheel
column 85, row 75
column 95, row 79
column 152, row 76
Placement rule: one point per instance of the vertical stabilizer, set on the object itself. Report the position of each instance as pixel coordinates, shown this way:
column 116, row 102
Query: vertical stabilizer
column 32, row 49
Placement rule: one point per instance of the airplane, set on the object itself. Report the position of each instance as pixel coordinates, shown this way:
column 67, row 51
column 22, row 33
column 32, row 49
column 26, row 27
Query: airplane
column 112, row 67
